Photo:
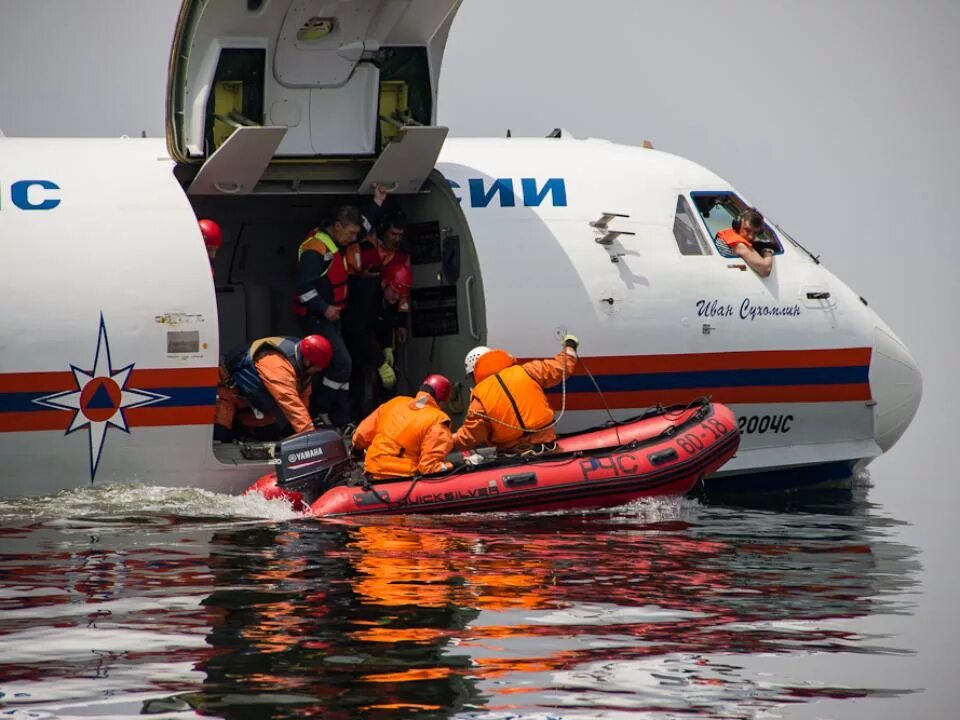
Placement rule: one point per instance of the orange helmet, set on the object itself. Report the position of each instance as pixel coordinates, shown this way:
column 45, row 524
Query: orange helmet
column 316, row 350
column 212, row 237
column 438, row 386
column 398, row 276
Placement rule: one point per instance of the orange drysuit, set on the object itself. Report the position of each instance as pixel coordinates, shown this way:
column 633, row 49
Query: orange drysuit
column 291, row 393
column 405, row 436
column 508, row 406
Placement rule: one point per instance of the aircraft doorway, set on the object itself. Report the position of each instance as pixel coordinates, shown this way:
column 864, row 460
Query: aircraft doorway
column 255, row 279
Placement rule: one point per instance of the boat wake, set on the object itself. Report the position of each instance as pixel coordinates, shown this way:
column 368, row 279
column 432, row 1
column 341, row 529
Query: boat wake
column 131, row 504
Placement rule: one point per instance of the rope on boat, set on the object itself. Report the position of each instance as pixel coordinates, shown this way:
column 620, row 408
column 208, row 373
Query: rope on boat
column 531, row 431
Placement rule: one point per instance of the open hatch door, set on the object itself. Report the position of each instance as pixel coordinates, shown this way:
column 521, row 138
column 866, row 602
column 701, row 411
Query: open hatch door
column 343, row 79
column 407, row 162
column 237, row 165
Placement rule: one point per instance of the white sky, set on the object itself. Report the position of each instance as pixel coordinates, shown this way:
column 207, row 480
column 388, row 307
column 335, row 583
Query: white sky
column 837, row 118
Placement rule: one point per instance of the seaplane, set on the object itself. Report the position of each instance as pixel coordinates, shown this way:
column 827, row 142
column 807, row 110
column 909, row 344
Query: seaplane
column 112, row 325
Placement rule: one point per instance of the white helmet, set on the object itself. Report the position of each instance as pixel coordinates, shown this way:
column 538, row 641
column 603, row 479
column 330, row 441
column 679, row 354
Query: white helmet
column 470, row 361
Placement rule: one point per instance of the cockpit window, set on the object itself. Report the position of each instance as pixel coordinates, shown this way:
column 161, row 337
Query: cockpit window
column 690, row 239
column 718, row 210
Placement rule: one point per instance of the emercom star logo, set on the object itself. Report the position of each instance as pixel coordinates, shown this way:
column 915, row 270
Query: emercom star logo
column 100, row 398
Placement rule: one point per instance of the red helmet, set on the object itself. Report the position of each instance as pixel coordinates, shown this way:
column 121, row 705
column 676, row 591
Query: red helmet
column 439, row 386
column 398, row 276
column 316, row 350
column 212, row 237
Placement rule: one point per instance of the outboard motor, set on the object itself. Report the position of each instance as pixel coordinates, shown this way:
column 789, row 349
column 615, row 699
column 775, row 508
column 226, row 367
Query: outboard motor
column 313, row 462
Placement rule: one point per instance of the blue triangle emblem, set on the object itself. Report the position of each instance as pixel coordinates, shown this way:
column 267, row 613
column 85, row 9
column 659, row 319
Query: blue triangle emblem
column 101, row 400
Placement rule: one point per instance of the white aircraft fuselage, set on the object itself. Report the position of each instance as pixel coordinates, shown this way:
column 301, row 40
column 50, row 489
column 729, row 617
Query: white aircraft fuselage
column 112, row 327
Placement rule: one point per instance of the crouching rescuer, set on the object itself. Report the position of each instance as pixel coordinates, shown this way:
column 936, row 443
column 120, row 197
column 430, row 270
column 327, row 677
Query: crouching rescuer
column 269, row 384
column 508, row 406
column 408, row 435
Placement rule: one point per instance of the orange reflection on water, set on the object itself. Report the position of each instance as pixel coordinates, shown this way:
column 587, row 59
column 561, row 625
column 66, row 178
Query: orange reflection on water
column 402, row 706
column 395, row 635
column 411, row 675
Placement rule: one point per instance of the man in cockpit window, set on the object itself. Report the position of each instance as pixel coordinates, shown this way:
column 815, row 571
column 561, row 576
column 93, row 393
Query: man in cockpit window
column 739, row 241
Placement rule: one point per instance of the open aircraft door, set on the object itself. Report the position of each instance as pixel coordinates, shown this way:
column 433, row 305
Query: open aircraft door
column 344, row 81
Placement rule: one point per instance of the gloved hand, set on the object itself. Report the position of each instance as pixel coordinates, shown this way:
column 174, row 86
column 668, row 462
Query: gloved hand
column 571, row 341
column 473, row 459
column 387, row 376
column 388, row 357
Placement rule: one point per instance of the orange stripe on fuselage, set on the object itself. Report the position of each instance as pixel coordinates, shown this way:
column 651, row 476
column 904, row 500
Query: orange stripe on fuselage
column 37, row 382
column 144, row 379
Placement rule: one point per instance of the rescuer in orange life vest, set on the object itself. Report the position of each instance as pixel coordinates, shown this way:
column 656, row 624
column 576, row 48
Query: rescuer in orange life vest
column 322, row 278
column 408, row 436
column 269, row 383
column 508, row 407
column 740, row 240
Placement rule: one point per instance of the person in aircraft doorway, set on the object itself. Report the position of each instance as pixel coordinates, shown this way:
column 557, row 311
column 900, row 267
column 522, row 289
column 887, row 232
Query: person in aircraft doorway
column 741, row 240
column 508, row 407
column 268, row 385
column 408, row 436
column 322, row 289
column 381, row 249
column 373, row 333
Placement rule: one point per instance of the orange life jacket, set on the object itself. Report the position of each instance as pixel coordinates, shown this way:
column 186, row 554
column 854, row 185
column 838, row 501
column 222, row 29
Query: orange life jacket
column 491, row 363
column 336, row 273
column 731, row 238
column 403, row 423
column 515, row 398
column 362, row 256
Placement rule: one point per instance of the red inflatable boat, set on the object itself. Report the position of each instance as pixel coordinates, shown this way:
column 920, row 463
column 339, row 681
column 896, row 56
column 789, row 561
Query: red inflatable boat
column 664, row 452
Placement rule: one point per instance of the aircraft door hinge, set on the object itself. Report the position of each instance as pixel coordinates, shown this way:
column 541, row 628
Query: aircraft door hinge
column 605, row 219
column 608, row 235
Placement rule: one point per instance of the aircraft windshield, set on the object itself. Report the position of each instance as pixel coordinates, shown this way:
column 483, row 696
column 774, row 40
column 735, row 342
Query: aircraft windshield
column 718, row 209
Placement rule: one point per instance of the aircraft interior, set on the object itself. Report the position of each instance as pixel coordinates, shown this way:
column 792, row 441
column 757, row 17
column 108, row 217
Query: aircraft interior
column 255, row 275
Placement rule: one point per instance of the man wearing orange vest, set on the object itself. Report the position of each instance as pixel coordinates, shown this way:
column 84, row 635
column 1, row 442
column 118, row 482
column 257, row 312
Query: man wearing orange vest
column 322, row 278
column 739, row 240
column 408, row 436
column 268, row 383
column 508, row 407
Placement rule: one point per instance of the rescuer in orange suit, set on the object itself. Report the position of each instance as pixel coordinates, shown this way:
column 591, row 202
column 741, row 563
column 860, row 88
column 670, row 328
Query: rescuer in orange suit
column 740, row 238
column 269, row 383
column 408, row 436
column 508, row 407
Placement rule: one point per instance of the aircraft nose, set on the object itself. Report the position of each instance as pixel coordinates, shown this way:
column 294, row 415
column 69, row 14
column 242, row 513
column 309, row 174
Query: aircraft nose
column 896, row 386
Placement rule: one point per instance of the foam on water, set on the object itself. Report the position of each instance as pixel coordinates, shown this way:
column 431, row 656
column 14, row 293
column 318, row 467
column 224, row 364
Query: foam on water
column 82, row 507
